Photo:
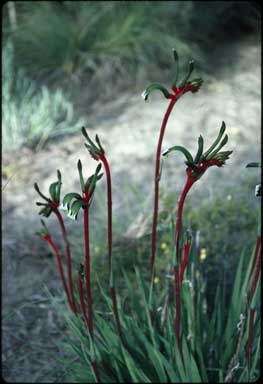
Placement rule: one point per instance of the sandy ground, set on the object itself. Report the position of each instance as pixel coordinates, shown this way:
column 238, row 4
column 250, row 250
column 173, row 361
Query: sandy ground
column 128, row 128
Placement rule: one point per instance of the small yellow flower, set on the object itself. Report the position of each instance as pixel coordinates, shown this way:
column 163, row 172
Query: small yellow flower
column 156, row 280
column 163, row 246
column 202, row 254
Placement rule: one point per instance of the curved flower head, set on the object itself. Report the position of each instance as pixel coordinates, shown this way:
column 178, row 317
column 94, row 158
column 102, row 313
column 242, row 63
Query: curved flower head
column 53, row 201
column 178, row 88
column 196, row 166
column 73, row 201
column 96, row 150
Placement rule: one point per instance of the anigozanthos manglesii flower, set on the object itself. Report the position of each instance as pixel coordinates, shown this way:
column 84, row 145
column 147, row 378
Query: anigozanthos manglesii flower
column 51, row 206
column 196, row 166
column 177, row 88
column 73, row 201
column 53, row 201
column 97, row 153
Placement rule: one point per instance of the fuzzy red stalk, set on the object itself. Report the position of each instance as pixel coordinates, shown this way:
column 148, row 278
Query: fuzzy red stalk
column 86, row 198
column 189, row 182
column 177, row 93
column 254, row 259
column 109, row 202
column 250, row 335
column 68, row 253
column 60, row 267
column 257, row 263
column 177, row 309
column 187, row 247
column 104, row 160
column 156, row 181
column 96, row 371
column 252, row 310
column 82, row 301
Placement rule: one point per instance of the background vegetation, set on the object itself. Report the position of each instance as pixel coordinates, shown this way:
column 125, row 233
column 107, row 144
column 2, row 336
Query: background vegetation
column 105, row 46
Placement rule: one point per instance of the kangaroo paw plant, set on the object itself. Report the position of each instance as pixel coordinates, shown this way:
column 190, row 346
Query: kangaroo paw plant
column 151, row 335
column 178, row 89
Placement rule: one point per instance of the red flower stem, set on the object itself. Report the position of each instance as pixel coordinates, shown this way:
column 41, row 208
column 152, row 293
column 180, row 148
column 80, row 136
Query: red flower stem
column 189, row 182
column 177, row 278
column 87, row 264
column 250, row 335
column 96, row 371
column 82, row 302
column 177, row 309
column 109, row 203
column 156, row 181
column 60, row 267
column 254, row 259
column 252, row 310
column 69, row 263
column 115, row 310
column 187, row 247
column 257, row 270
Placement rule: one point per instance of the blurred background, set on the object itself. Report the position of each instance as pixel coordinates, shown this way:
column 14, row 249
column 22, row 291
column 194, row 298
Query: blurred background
column 70, row 64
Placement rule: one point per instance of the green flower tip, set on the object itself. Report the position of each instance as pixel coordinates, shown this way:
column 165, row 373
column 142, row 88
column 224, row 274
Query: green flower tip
column 253, row 165
column 95, row 150
column 155, row 87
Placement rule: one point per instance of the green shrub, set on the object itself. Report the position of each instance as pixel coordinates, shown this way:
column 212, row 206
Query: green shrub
column 115, row 37
column 30, row 114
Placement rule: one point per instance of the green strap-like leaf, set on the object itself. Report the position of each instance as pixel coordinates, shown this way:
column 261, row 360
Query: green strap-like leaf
column 45, row 211
column 40, row 193
column 69, row 196
column 84, row 132
column 59, row 185
column 200, row 149
column 223, row 155
column 212, row 154
column 190, row 70
column 154, row 87
column 75, row 207
column 210, row 149
column 253, row 165
column 179, row 148
column 98, row 142
column 98, row 169
column 53, row 190
column 176, row 59
column 82, row 183
column 91, row 183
